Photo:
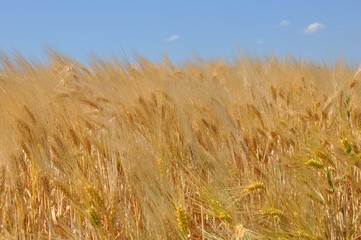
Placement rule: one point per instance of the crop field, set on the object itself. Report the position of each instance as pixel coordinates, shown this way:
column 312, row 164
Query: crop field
column 253, row 148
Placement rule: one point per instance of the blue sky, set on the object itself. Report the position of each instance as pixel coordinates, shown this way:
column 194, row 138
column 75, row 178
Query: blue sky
column 315, row 30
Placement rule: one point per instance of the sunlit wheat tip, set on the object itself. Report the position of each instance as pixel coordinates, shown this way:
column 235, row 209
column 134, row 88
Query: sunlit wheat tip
column 315, row 163
column 181, row 218
column 254, row 186
column 94, row 215
column 272, row 212
column 345, row 142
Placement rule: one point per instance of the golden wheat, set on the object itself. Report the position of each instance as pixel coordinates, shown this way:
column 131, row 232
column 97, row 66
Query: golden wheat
column 252, row 149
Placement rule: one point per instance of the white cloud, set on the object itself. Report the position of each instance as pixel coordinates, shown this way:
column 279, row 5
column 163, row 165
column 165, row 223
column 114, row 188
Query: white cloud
column 284, row 23
column 314, row 27
column 172, row 38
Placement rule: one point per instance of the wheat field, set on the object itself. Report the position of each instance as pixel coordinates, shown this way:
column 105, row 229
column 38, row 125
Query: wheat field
column 253, row 148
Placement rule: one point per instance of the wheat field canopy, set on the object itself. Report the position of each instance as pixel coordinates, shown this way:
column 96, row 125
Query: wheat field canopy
column 209, row 149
